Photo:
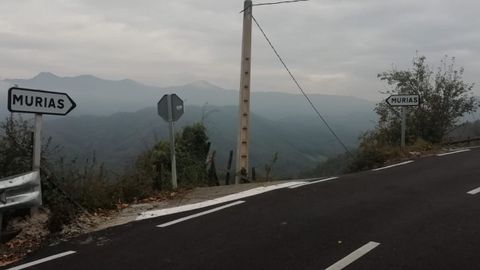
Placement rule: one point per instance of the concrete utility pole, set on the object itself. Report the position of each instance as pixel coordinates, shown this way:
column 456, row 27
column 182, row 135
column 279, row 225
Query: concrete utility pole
column 241, row 170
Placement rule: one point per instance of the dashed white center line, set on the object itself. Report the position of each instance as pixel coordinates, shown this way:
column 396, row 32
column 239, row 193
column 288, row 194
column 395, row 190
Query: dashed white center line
column 475, row 191
column 353, row 256
column 50, row 258
column 394, row 165
column 454, row 152
column 199, row 214
column 314, row 182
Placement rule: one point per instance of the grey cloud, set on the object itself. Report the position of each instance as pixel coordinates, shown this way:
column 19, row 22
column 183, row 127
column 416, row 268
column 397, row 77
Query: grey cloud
column 334, row 46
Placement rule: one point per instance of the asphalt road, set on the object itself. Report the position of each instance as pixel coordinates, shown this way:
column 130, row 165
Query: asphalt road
column 418, row 215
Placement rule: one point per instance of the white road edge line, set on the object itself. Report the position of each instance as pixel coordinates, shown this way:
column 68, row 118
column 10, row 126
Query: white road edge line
column 454, row 152
column 308, row 179
column 199, row 214
column 353, row 256
column 394, row 165
column 475, row 191
column 314, row 182
column 224, row 199
column 50, row 258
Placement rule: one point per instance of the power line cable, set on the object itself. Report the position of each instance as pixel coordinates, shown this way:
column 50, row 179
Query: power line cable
column 280, row 2
column 301, row 89
column 275, row 3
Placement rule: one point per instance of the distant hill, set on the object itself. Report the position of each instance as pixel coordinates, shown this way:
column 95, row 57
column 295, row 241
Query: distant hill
column 96, row 96
column 118, row 119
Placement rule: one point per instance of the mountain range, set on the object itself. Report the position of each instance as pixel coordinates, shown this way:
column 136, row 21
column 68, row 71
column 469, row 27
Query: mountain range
column 118, row 119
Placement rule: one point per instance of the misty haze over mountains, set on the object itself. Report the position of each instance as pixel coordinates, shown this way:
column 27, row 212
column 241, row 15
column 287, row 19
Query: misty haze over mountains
column 118, row 119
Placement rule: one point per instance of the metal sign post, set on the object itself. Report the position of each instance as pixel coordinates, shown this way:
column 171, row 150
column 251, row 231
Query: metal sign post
column 37, row 152
column 403, row 127
column 37, row 142
column 170, row 108
column 172, row 142
column 403, row 101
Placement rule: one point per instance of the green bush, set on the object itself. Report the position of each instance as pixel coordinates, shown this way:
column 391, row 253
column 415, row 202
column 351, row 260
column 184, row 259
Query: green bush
column 192, row 147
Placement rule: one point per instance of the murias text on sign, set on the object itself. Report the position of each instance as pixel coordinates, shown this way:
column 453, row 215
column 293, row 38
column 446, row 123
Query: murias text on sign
column 39, row 102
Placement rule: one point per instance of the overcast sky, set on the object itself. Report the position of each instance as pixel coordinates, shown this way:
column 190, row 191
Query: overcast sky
column 333, row 46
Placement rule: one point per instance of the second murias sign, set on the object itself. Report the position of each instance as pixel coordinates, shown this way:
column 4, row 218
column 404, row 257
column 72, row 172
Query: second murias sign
column 403, row 100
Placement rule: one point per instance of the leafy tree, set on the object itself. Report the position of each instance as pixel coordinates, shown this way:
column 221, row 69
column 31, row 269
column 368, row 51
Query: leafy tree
column 444, row 95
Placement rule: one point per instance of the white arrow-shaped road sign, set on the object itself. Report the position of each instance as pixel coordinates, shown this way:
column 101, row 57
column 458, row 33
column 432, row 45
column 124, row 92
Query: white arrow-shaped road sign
column 25, row 100
column 403, row 100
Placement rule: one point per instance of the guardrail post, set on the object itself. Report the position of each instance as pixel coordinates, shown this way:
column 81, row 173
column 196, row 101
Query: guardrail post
column 1, row 226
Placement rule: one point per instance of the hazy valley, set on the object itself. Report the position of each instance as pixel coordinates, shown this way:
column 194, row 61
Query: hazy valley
column 117, row 120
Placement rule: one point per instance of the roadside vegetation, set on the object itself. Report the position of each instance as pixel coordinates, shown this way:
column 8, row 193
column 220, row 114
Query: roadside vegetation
column 83, row 186
column 445, row 99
